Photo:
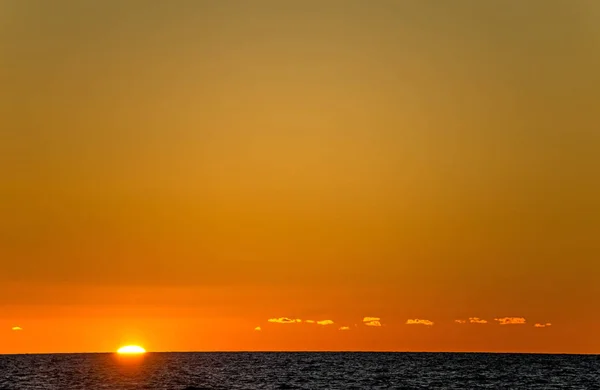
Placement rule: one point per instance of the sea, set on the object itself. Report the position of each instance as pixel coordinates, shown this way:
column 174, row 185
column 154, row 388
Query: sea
column 299, row 370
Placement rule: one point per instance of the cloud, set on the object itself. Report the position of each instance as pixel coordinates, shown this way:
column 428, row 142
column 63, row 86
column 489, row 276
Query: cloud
column 258, row 329
column 477, row 320
column 344, row 328
column 16, row 328
column 460, row 321
column 419, row 322
column 510, row 320
column 325, row 322
column 370, row 319
column 284, row 320
column 538, row 325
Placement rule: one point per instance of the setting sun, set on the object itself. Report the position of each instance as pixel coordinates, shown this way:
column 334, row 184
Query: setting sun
column 131, row 349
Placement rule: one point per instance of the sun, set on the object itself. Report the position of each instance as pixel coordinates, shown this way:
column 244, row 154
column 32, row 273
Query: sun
column 131, row 350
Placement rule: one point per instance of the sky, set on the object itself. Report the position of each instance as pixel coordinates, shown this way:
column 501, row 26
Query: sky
column 200, row 175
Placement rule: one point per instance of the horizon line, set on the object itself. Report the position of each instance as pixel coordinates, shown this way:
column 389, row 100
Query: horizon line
column 317, row 351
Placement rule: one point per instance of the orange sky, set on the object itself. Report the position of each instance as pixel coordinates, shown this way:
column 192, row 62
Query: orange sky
column 176, row 174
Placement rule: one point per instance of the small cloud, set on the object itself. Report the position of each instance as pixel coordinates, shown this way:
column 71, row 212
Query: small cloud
column 547, row 324
column 344, row 328
column 16, row 328
column 309, row 321
column 419, row 322
column 510, row 320
column 258, row 329
column 325, row 322
column 370, row 319
column 460, row 321
column 283, row 320
column 298, row 320
column 477, row 320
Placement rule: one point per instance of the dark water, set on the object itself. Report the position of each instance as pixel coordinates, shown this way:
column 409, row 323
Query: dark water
column 299, row 371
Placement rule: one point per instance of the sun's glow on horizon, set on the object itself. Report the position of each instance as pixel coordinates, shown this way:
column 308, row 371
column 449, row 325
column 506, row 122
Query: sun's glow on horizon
column 131, row 349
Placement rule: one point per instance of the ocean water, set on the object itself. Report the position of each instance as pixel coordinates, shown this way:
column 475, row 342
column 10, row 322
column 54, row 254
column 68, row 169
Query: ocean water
column 300, row 371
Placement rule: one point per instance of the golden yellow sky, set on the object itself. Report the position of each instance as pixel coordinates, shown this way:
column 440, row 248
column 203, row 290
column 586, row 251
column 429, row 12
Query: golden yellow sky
column 174, row 174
